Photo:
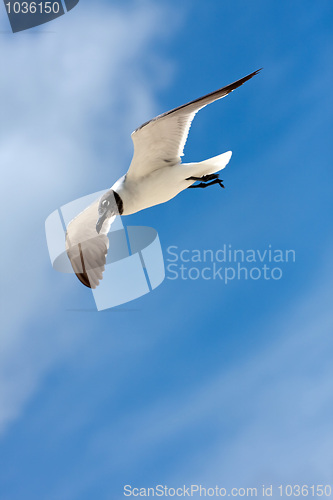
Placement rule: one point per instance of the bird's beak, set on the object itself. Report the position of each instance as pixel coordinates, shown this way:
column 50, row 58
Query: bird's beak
column 100, row 222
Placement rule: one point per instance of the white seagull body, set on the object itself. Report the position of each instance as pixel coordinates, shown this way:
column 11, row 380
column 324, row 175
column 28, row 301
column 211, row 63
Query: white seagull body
column 156, row 175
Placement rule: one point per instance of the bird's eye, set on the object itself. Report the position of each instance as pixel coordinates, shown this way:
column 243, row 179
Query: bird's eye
column 105, row 203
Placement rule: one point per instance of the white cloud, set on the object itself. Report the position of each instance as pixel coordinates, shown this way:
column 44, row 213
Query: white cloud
column 68, row 97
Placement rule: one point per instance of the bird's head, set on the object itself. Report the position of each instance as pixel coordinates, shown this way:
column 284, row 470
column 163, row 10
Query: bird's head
column 109, row 205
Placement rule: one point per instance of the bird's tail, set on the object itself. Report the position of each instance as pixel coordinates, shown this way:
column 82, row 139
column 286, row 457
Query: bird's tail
column 211, row 165
column 216, row 163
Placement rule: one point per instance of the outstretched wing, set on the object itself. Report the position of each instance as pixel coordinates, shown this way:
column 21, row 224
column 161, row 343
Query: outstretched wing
column 160, row 142
column 86, row 248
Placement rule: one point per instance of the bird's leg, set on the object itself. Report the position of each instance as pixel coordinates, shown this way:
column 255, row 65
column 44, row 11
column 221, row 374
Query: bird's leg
column 204, row 178
column 200, row 185
column 204, row 185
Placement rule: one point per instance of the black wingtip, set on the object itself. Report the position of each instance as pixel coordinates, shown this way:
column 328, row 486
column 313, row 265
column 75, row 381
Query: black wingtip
column 238, row 83
column 212, row 96
column 257, row 71
column 83, row 277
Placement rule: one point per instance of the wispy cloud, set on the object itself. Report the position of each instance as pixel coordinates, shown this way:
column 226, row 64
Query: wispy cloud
column 67, row 98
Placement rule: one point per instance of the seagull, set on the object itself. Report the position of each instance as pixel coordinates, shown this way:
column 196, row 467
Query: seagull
column 156, row 175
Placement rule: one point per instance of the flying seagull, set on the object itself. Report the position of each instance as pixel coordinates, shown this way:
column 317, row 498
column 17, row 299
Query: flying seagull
column 155, row 175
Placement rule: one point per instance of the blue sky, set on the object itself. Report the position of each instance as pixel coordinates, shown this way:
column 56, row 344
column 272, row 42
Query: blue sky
column 197, row 382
